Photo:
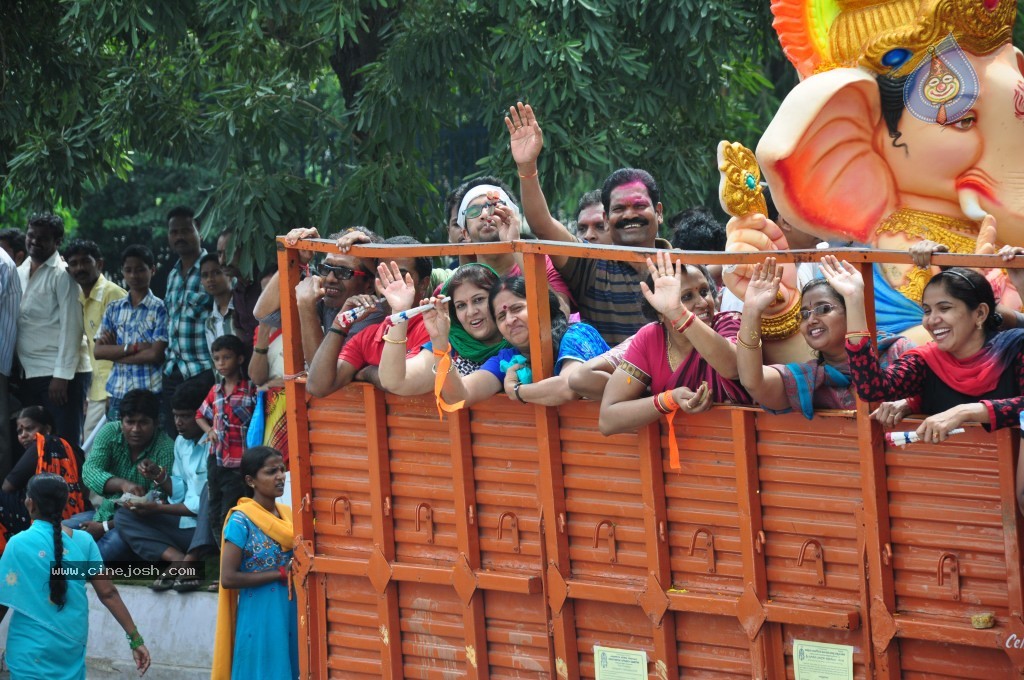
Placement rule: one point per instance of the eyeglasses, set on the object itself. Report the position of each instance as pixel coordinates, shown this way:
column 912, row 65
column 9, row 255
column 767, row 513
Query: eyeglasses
column 477, row 210
column 817, row 310
column 340, row 273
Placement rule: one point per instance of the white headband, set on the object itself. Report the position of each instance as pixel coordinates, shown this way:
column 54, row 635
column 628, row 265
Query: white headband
column 483, row 190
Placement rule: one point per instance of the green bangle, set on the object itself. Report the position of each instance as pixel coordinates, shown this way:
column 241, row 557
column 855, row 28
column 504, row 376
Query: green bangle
column 135, row 640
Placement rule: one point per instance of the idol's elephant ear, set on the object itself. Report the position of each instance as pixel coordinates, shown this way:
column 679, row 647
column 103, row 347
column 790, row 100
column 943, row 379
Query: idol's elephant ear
column 821, row 160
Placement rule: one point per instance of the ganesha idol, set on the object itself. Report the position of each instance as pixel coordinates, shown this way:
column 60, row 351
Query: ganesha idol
column 907, row 125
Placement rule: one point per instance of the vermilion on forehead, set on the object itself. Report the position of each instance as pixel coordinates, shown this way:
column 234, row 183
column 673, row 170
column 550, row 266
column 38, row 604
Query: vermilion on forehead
column 633, row 192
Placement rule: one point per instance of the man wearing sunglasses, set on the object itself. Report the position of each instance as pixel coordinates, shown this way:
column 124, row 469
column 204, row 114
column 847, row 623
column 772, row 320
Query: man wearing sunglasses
column 338, row 281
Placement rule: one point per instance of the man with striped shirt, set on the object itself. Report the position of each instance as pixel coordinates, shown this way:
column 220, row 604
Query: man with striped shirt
column 10, row 302
column 607, row 293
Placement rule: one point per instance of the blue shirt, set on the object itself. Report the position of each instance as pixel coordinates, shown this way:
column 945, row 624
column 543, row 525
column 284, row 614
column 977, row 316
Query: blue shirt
column 187, row 307
column 146, row 322
column 188, row 476
column 581, row 342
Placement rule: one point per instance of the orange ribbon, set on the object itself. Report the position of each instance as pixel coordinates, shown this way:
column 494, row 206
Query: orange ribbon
column 673, row 448
column 443, row 367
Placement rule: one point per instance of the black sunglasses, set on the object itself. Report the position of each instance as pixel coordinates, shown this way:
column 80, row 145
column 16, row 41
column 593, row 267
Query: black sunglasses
column 341, row 273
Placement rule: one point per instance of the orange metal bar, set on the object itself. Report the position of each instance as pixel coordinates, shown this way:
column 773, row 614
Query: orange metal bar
column 475, row 629
column 652, row 475
column 379, row 461
column 312, row 658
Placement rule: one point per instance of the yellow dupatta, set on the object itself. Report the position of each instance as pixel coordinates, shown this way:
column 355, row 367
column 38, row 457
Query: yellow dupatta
column 277, row 528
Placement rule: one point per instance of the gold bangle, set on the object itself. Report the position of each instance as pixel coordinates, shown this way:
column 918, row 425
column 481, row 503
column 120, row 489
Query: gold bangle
column 739, row 341
column 535, row 173
column 385, row 338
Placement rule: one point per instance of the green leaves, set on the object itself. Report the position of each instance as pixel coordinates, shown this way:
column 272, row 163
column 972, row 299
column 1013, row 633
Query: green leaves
column 340, row 112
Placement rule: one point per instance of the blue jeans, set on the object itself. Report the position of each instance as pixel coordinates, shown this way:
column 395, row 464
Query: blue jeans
column 112, row 547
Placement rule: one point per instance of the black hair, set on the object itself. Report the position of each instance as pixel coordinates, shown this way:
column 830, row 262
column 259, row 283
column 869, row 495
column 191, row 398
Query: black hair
column 190, row 394
column 972, row 289
column 588, row 199
column 182, row 211
column 370, row 234
column 424, row 266
column 141, row 252
column 49, row 493
column 253, row 459
column 628, row 176
column 81, row 246
column 15, row 238
column 140, row 403
column 231, row 343
column 890, row 92
column 36, row 414
column 697, row 229
column 209, row 257
column 651, row 313
column 517, row 286
column 822, row 283
column 49, row 221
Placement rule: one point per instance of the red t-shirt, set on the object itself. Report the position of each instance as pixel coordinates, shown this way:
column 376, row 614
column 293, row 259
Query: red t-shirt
column 366, row 347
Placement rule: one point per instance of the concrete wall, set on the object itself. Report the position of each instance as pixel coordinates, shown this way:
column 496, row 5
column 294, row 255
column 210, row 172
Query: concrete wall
column 178, row 630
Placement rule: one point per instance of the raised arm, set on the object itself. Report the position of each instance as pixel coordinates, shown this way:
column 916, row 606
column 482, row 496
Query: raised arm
column 764, row 384
column 665, row 298
column 526, row 141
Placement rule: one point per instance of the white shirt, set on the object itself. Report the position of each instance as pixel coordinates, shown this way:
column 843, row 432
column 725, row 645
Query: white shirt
column 10, row 304
column 50, row 329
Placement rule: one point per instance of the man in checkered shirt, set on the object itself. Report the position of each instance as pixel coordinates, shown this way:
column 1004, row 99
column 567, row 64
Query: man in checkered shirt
column 187, row 305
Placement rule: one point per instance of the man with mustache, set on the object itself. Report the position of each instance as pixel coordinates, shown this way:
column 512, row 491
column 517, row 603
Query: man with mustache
column 607, row 293
column 187, row 304
column 85, row 264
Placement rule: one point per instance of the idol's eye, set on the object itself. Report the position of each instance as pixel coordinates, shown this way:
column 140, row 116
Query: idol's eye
column 965, row 123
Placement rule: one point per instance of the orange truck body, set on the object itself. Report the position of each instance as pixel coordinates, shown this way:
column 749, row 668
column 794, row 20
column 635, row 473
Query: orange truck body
column 508, row 540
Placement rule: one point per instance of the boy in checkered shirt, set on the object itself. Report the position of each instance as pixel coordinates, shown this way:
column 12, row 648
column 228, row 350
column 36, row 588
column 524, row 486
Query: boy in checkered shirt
column 224, row 416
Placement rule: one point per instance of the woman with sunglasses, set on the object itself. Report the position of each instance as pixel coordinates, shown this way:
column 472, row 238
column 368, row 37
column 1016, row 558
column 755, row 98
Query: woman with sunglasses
column 686, row 360
column 822, row 383
column 509, row 370
column 970, row 372
column 473, row 334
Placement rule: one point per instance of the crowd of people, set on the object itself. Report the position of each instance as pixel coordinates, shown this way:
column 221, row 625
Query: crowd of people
column 153, row 428
column 133, row 431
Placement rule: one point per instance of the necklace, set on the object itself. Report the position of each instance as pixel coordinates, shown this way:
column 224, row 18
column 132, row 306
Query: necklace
column 672, row 354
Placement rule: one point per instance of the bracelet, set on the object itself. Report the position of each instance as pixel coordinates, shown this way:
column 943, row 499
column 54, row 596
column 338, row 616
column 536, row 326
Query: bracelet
column 515, row 391
column 385, row 338
column 134, row 639
column 745, row 345
column 667, row 402
column 657, row 404
column 332, row 329
column 284, row 574
column 125, row 349
column 433, row 369
column 686, row 324
column 264, row 350
column 162, row 477
column 535, row 173
column 106, row 526
column 685, row 312
column 858, row 334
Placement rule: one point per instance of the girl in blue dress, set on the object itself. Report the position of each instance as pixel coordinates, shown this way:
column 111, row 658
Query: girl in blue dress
column 50, row 619
column 257, row 629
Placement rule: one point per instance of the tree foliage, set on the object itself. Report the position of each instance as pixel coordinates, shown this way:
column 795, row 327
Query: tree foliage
column 336, row 113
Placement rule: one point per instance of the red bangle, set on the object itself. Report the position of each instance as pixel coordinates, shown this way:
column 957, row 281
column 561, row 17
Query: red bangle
column 657, row 404
column 686, row 324
column 685, row 312
column 284, row 574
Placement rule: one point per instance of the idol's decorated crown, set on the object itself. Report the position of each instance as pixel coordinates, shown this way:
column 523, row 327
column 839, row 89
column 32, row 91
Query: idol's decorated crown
column 886, row 35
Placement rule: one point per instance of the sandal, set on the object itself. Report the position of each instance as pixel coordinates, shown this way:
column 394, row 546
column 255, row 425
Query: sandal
column 185, row 585
column 163, row 583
